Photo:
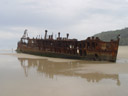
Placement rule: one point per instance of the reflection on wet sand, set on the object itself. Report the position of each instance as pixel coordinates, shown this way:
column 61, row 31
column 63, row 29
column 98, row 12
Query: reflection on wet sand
column 50, row 69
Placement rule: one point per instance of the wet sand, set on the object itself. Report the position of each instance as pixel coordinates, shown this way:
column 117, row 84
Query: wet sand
column 29, row 75
column 92, row 66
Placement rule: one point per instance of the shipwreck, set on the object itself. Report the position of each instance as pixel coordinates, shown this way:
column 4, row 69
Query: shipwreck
column 91, row 48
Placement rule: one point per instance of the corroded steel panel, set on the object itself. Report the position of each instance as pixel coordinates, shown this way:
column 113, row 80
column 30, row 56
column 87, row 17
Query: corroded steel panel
column 90, row 49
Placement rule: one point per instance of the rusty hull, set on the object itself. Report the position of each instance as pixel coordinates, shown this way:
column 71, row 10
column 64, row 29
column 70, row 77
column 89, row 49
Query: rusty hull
column 90, row 49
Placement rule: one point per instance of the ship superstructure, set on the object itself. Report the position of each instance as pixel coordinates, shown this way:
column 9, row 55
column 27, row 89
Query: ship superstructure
column 91, row 48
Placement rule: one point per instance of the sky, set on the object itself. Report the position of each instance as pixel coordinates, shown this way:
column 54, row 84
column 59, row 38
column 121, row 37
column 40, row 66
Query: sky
column 79, row 18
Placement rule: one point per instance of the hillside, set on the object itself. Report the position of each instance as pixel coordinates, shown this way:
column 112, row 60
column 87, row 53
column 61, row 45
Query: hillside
column 108, row 35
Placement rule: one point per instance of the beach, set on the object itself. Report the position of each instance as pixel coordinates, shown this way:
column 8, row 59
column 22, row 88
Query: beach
column 30, row 75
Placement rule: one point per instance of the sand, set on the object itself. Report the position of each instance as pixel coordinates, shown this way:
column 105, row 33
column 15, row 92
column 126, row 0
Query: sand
column 29, row 75
column 120, row 66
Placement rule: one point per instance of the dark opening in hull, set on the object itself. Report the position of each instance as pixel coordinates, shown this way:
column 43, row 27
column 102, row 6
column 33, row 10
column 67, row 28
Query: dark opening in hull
column 89, row 49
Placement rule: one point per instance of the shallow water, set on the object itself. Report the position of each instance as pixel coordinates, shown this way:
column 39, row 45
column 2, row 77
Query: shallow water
column 25, row 75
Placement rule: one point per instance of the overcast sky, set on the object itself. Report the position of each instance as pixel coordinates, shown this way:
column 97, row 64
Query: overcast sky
column 79, row 18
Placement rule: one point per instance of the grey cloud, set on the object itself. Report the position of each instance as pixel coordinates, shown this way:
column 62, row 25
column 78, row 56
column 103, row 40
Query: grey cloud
column 82, row 17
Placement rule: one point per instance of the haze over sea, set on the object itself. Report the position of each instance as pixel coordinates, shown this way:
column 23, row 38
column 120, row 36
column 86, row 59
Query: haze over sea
column 29, row 75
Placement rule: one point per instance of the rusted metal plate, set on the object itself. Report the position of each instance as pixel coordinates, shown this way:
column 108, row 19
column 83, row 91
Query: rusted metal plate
column 90, row 49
